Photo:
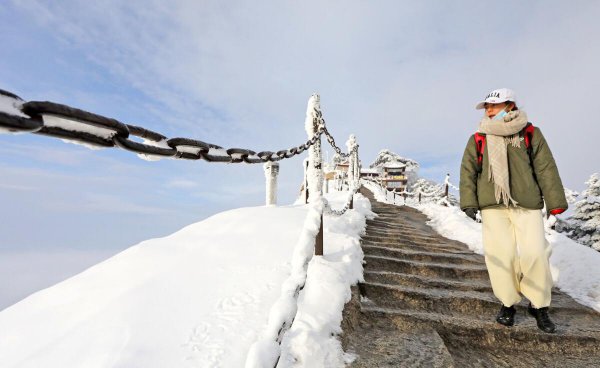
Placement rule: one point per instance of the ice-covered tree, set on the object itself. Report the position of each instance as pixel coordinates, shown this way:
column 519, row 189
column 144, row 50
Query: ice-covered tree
column 584, row 224
column 337, row 159
column 571, row 196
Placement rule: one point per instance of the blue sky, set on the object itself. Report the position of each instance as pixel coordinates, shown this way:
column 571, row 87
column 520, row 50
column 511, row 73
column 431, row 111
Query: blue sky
column 399, row 75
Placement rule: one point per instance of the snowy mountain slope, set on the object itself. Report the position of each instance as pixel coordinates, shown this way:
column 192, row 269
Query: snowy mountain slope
column 196, row 298
column 200, row 297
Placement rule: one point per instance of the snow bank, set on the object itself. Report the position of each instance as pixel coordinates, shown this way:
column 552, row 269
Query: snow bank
column 196, row 298
column 575, row 267
column 312, row 341
column 322, row 288
column 266, row 351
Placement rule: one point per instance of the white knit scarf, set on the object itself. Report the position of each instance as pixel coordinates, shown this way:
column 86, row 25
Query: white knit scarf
column 499, row 134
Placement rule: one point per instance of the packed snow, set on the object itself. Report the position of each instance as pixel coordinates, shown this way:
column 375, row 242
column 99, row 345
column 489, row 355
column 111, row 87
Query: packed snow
column 196, row 298
column 575, row 267
column 201, row 297
column 312, row 340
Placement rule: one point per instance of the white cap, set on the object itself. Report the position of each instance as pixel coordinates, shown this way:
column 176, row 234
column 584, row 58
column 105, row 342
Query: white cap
column 498, row 96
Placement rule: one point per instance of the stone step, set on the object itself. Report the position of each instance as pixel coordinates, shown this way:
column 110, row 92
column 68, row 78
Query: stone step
column 433, row 244
column 394, row 226
column 376, row 344
column 417, row 280
column 408, row 241
column 395, row 230
column 392, row 220
column 410, row 280
column 421, row 255
column 431, row 269
column 399, row 235
column 464, row 303
column 376, row 235
column 442, row 249
column 383, row 220
column 458, row 331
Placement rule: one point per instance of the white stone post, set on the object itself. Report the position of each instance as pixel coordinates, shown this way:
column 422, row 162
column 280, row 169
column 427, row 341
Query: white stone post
column 271, row 172
column 314, row 172
column 352, row 163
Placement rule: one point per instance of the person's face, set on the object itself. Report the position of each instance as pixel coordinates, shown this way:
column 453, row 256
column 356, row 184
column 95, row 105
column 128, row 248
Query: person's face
column 491, row 109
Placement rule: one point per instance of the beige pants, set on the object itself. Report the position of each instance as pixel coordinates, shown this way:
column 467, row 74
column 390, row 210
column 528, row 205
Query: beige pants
column 517, row 255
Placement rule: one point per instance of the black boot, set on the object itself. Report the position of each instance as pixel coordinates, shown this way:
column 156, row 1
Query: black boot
column 543, row 320
column 506, row 315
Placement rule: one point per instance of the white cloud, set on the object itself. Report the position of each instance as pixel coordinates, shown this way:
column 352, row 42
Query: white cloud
column 239, row 73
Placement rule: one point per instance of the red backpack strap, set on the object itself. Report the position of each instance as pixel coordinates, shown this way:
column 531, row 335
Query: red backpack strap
column 528, row 133
column 480, row 145
column 529, row 128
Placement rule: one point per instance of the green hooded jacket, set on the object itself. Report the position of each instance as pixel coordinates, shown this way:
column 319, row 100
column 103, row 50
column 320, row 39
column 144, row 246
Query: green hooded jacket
column 530, row 187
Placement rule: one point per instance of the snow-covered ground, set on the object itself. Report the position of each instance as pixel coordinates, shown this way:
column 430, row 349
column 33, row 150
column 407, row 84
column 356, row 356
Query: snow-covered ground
column 200, row 297
column 575, row 267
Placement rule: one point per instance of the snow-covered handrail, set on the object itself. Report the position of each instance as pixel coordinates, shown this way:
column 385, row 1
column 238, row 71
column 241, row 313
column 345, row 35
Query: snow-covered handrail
column 348, row 206
column 437, row 190
column 265, row 352
column 96, row 131
column 335, row 147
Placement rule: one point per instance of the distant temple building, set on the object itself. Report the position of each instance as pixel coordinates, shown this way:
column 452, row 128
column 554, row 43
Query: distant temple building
column 342, row 166
column 369, row 173
column 394, row 176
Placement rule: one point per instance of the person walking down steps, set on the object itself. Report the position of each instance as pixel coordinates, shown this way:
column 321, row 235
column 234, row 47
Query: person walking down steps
column 508, row 172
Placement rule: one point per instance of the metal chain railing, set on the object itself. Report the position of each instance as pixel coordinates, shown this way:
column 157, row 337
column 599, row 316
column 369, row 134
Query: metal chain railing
column 347, row 206
column 65, row 122
column 335, row 147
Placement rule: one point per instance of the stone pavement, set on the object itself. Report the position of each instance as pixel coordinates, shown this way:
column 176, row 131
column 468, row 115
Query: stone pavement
column 427, row 302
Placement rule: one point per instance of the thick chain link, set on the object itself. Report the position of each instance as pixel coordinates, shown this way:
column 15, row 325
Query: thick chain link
column 335, row 147
column 65, row 122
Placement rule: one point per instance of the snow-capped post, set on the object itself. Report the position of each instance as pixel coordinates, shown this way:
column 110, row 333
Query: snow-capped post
column 353, row 171
column 271, row 172
column 352, row 161
column 447, row 183
column 314, row 171
column 311, row 124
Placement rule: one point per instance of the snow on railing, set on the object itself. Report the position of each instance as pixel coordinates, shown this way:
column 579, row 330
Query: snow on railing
column 439, row 192
column 95, row 131
column 266, row 351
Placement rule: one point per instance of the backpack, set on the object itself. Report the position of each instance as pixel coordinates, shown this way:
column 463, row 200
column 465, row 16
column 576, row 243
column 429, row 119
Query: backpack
column 527, row 132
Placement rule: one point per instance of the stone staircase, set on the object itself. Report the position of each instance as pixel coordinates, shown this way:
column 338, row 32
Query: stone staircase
column 427, row 302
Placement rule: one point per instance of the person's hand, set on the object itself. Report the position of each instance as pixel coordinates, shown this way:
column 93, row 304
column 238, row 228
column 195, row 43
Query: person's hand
column 471, row 212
